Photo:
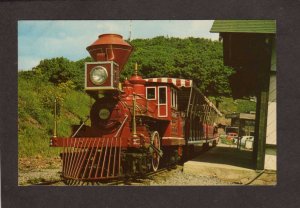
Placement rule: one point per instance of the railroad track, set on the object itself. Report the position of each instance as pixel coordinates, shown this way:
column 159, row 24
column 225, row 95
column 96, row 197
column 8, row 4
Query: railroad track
column 135, row 180
column 48, row 183
column 138, row 180
column 121, row 181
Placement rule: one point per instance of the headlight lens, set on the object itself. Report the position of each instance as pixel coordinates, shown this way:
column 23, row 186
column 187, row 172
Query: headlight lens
column 98, row 75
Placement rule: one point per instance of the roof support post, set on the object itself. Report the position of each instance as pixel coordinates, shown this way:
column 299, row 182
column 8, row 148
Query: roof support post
column 261, row 116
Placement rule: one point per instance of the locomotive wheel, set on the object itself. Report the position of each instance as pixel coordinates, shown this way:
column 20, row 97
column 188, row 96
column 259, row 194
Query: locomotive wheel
column 155, row 141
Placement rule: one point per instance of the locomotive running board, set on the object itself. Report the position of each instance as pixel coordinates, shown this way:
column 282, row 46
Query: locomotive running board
column 90, row 159
column 201, row 141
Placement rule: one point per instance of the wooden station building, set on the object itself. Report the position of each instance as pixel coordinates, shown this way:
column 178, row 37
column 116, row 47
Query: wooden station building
column 244, row 121
column 249, row 47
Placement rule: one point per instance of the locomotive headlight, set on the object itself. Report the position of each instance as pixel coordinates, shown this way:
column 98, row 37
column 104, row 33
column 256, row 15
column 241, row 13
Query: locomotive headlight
column 98, row 75
column 104, row 113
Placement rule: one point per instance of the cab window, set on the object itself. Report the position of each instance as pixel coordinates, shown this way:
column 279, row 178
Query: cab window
column 150, row 93
column 174, row 98
column 162, row 94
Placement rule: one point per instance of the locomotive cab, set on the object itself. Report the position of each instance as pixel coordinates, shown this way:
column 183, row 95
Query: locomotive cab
column 162, row 96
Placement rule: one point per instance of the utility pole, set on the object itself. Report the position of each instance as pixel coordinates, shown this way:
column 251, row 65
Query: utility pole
column 129, row 38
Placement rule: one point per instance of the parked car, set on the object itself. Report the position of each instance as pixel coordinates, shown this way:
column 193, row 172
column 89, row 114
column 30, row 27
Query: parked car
column 243, row 140
column 246, row 138
column 232, row 136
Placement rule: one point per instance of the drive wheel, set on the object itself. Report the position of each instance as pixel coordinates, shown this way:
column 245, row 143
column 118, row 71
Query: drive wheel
column 155, row 141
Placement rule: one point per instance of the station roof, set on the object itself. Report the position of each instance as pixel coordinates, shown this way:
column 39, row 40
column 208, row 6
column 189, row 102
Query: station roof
column 244, row 26
column 246, row 45
column 248, row 116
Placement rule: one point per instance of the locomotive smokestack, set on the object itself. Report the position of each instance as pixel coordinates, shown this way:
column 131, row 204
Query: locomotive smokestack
column 110, row 47
column 110, row 53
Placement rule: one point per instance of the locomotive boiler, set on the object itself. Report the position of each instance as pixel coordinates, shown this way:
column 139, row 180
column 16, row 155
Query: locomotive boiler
column 135, row 125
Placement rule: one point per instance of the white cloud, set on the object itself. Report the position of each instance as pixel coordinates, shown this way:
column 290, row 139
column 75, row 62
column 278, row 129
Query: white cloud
column 27, row 62
column 47, row 39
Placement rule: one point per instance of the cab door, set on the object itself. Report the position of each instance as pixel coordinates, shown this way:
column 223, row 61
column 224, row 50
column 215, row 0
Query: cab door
column 162, row 101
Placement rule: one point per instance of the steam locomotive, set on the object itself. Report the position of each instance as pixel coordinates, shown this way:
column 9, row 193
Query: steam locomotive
column 135, row 125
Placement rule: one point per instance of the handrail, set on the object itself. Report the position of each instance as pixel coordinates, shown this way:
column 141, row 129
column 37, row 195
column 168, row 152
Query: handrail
column 80, row 127
column 133, row 119
column 125, row 119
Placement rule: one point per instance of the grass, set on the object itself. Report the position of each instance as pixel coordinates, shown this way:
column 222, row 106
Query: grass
column 35, row 115
column 228, row 105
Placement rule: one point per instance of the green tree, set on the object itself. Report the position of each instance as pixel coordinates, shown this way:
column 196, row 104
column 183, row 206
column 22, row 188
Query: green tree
column 61, row 70
column 191, row 58
column 56, row 70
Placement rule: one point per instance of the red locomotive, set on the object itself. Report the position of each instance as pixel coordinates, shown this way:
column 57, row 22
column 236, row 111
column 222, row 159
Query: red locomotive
column 134, row 125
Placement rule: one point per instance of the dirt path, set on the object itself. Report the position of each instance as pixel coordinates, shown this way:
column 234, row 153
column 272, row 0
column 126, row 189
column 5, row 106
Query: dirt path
column 34, row 170
column 177, row 177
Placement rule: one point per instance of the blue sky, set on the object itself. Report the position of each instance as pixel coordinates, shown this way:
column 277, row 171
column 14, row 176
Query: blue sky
column 38, row 40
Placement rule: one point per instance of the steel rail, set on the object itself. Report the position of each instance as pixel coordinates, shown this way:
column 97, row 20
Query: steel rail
column 254, row 178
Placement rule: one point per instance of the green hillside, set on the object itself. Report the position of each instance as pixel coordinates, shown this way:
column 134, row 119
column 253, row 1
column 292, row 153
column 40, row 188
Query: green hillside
column 35, row 113
column 228, row 105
